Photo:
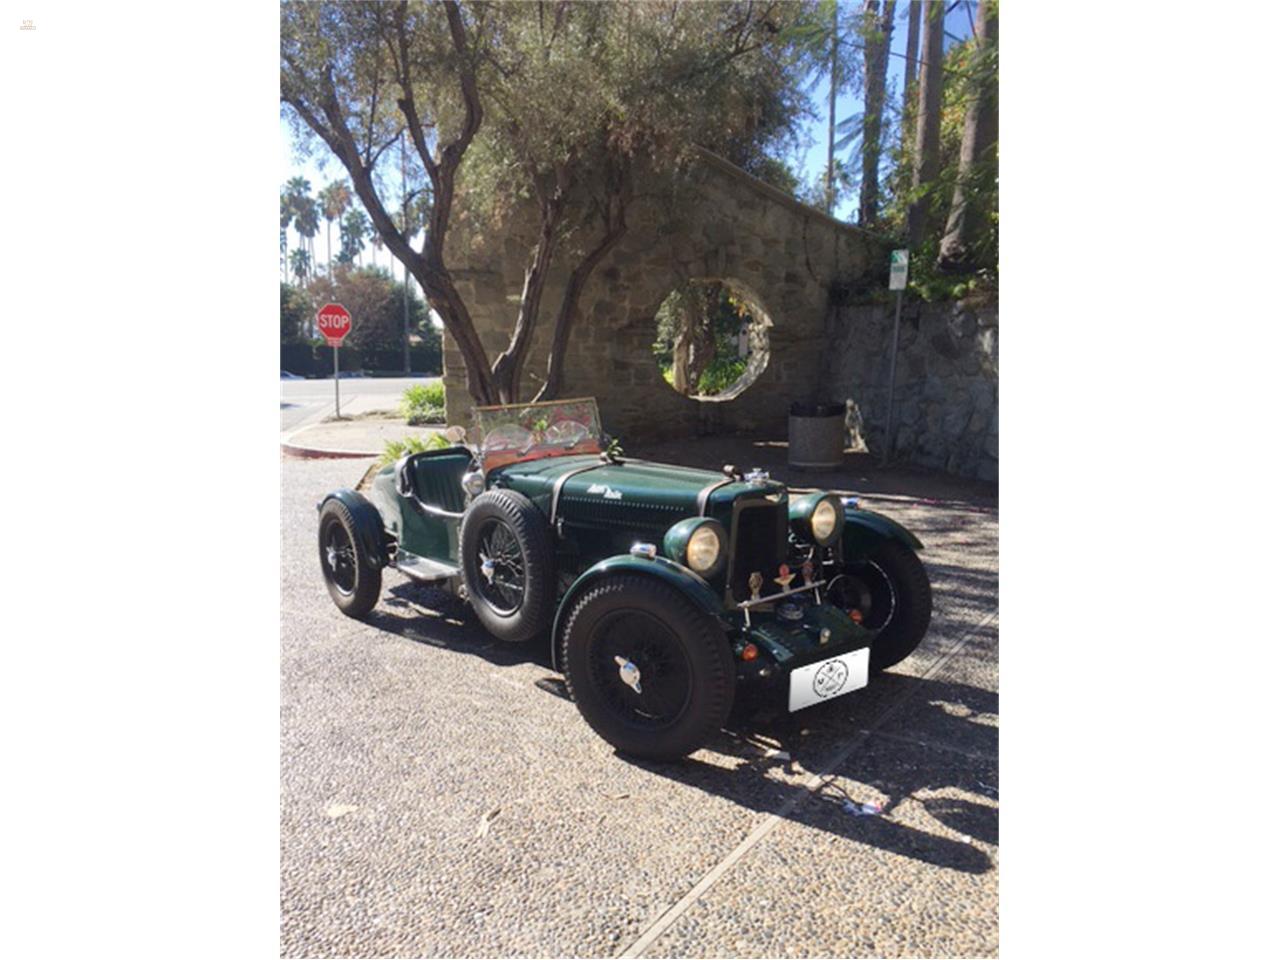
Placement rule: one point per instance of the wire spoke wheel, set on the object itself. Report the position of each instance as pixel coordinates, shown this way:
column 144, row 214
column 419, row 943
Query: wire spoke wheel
column 338, row 557
column 869, row 590
column 502, row 567
column 639, row 645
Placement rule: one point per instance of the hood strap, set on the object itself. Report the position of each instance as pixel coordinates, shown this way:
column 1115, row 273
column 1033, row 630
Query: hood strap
column 562, row 480
column 704, row 495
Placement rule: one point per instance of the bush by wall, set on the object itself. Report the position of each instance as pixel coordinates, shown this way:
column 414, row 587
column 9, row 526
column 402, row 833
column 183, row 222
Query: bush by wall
column 314, row 358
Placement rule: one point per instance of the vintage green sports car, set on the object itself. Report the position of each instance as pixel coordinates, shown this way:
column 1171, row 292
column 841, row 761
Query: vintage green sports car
column 664, row 590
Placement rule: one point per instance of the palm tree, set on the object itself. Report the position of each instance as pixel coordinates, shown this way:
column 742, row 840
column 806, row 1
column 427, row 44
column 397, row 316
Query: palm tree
column 308, row 224
column 286, row 218
column 301, row 264
column 297, row 192
column 354, row 228
column 376, row 240
column 334, row 201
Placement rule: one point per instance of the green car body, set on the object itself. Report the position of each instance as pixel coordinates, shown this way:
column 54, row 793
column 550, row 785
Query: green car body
column 608, row 520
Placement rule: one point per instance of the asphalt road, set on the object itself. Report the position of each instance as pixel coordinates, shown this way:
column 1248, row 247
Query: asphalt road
column 306, row 401
column 441, row 797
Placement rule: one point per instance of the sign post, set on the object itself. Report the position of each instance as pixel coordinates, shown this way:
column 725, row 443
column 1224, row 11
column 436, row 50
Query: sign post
column 334, row 321
column 897, row 282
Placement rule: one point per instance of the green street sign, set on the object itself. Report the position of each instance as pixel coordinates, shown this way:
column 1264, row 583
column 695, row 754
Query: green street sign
column 898, row 270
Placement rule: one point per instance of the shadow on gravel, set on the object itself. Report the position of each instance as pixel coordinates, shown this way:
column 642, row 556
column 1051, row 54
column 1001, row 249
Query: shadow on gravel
column 958, row 751
column 896, row 768
column 437, row 618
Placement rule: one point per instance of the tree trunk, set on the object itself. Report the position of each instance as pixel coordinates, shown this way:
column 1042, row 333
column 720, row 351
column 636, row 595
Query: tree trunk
column 509, row 363
column 568, row 313
column 831, row 110
column 879, row 32
column 909, row 71
column 680, row 361
column 980, row 134
column 928, row 125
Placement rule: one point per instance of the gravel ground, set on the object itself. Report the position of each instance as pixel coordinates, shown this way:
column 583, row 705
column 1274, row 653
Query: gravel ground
column 441, row 797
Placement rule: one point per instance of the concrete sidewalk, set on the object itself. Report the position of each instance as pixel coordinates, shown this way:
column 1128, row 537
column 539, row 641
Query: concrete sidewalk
column 364, row 437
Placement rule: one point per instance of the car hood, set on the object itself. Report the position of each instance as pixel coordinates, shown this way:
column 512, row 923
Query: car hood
column 636, row 491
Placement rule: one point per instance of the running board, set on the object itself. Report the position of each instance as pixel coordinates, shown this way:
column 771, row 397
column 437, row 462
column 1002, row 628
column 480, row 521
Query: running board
column 423, row 568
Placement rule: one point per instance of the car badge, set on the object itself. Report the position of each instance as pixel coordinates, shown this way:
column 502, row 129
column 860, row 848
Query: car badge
column 755, row 582
column 790, row 611
column 806, row 571
column 784, row 577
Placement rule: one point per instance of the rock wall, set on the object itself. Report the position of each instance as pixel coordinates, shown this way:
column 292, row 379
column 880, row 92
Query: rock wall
column 780, row 255
column 791, row 263
column 946, row 408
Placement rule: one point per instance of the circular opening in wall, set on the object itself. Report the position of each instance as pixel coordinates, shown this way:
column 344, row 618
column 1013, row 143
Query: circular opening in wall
column 713, row 339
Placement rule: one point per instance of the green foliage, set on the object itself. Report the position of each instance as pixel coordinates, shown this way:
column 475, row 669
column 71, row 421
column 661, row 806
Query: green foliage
column 720, row 374
column 423, row 403
column 961, row 69
column 711, row 315
column 376, row 302
column 393, row 450
column 295, row 312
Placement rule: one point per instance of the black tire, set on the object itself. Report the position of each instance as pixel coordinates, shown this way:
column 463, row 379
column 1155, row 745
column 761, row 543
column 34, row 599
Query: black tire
column 354, row 582
column 681, row 650
column 515, row 598
column 892, row 591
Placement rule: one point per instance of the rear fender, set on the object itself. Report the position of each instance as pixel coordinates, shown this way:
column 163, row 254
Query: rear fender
column 368, row 524
column 690, row 585
column 865, row 530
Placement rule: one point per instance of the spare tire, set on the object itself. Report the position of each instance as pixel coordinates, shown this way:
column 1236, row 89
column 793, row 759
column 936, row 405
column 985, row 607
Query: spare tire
column 508, row 565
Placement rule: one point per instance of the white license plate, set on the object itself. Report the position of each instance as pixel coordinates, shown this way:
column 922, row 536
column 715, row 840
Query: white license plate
column 828, row 678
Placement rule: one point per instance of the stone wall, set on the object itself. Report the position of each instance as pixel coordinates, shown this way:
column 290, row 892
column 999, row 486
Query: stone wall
column 946, row 413
column 786, row 260
column 781, row 256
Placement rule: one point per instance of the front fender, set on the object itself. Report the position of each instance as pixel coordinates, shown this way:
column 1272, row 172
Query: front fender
column 692, row 586
column 865, row 530
column 368, row 523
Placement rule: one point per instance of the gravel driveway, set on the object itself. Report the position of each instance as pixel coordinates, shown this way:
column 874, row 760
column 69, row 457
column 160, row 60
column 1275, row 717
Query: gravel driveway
column 440, row 796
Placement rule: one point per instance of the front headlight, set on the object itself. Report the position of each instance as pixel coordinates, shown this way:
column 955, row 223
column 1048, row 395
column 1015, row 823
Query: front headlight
column 699, row 543
column 824, row 521
column 703, row 552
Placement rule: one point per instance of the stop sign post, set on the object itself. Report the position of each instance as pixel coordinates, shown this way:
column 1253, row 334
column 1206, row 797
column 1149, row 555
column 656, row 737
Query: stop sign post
column 334, row 322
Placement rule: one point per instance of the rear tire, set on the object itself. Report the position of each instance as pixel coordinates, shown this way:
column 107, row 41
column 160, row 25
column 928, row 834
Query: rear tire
column 683, row 667
column 354, row 582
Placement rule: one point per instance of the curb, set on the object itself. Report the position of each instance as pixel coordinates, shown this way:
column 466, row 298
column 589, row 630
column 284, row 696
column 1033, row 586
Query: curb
column 313, row 453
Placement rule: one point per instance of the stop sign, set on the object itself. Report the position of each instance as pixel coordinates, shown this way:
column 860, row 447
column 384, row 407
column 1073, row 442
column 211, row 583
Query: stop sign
column 334, row 322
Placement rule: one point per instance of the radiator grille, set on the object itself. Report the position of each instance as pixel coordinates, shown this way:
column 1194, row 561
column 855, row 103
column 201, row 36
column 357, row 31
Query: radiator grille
column 759, row 543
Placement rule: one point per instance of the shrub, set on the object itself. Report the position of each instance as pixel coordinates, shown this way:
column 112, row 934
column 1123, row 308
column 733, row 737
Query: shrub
column 423, row 403
column 720, row 375
column 395, row 449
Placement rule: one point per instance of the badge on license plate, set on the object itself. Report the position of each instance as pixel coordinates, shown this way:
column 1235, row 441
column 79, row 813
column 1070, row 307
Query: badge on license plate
column 829, row 678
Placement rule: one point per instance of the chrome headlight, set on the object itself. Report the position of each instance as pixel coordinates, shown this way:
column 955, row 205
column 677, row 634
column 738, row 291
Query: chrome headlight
column 824, row 521
column 816, row 516
column 699, row 543
column 703, row 551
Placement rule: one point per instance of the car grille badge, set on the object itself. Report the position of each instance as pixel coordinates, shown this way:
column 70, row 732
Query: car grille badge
column 784, row 577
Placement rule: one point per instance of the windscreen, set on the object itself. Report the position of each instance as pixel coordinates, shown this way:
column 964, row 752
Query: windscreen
column 530, row 431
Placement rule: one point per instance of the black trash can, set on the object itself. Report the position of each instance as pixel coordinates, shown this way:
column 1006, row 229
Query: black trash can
column 815, row 435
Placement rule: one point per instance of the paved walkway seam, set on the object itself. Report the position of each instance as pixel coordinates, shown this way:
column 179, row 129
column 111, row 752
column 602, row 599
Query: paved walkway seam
column 817, row 780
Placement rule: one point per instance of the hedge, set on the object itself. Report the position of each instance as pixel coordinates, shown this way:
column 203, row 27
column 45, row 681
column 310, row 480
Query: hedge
column 310, row 358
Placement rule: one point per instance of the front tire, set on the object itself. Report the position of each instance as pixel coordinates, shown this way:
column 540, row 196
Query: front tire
column 649, row 672
column 891, row 590
column 353, row 580
column 508, row 565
